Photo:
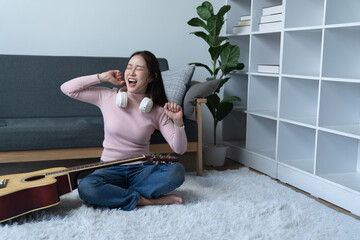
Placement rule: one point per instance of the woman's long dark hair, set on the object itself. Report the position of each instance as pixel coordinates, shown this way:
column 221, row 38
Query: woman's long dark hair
column 155, row 88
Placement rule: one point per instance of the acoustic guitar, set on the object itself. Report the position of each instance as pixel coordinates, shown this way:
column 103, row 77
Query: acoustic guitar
column 28, row 192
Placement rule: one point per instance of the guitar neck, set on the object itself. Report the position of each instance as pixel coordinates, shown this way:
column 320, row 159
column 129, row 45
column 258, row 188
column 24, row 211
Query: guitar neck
column 74, row 172
column 99, row 165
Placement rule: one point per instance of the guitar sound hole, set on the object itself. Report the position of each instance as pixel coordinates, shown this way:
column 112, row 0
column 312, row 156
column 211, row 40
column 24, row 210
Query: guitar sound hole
column 34, row 178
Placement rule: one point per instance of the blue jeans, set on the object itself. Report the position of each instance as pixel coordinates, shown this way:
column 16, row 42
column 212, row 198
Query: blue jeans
column 121, row 186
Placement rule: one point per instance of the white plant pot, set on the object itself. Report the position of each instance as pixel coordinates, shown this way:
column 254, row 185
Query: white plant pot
column 214, row 155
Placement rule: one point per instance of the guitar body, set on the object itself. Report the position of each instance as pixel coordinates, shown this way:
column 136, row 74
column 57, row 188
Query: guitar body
column 30, row 192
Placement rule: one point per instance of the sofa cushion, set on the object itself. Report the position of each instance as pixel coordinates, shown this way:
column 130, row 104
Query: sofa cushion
column 49, row 133
column 191, row 130
column 3, row 123
column 198, row 90
column 69, row 132
column 176, row 82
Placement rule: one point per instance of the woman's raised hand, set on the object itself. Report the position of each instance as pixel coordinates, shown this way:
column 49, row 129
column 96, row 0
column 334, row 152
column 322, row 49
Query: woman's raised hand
column 113, row 76
column 174, row 111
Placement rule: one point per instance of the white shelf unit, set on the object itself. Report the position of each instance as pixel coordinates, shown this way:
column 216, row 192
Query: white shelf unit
column 342, row 12
column 301, row 125
column 338, row 159
column 299, row 100
column 302, row 51
column 243, row 42
column 257, row 7
column 267, row 88
column 265, row 49
column 340, row 107
column 266, row 128
column 341, row 60
column 238, row 85
column 296, row 146
column 305, row 13
column 239, row 8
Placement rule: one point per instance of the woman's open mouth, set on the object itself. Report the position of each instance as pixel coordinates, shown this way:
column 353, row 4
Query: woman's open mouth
column 132, row 82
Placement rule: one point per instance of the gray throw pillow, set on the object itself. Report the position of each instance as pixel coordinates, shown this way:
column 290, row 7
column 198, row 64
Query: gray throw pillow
column 176, row 82
column 198, row 90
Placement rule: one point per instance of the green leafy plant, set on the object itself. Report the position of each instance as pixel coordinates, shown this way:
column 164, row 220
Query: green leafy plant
column 224, row 57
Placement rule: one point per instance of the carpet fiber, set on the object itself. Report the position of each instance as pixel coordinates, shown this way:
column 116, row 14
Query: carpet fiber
column 231, row 204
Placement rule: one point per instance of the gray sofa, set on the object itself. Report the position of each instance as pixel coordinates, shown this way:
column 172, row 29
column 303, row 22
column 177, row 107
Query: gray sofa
column 36, row 116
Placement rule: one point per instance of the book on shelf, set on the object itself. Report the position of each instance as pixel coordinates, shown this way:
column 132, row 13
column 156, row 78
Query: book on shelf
column 243, row 26
column 272, row 10
column 268, row 68
column 268, row 26
column 271, row 18
column 244, row 22
column 245, row 17
column 241, row 29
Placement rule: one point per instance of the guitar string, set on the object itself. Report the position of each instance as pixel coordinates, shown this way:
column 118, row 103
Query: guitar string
column 112, row 162
column 95, row 165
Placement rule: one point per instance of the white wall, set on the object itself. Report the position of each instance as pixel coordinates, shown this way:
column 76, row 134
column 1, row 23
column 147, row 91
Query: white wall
column 106, row 28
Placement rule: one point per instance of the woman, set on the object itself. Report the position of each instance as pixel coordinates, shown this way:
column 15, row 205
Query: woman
column 127, row 133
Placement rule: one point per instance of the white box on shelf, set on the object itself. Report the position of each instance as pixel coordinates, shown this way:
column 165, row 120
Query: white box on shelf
column 268, row 68
column 271, row 18
column 270, row 26
column 272, row 10
column 241, row 29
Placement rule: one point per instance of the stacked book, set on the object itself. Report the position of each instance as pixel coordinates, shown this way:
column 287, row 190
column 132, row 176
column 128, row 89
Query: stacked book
column 271, row 18
column 243, row 25
column 268, row 68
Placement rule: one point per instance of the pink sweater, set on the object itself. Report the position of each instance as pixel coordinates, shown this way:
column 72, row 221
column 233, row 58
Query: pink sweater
column 127, row 130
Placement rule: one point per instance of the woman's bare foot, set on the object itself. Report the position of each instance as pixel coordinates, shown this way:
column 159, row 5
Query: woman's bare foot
column 162, row 200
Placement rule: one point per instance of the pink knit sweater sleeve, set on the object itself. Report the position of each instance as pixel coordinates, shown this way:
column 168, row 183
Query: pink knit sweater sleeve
column 80, row 89
column 174, row 135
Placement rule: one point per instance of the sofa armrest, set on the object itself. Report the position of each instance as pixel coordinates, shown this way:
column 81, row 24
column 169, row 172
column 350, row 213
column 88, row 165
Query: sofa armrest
column 198, row 108
column 199, row 154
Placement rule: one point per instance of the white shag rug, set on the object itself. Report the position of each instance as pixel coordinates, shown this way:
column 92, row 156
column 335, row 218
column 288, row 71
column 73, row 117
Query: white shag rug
column 231, row 204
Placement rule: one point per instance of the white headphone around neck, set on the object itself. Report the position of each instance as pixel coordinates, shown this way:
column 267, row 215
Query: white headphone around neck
column 145, row 105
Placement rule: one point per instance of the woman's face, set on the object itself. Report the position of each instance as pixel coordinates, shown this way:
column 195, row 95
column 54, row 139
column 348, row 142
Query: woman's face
column 137, row 75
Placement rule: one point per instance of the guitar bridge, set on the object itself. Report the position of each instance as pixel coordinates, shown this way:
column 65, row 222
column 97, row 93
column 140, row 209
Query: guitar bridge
column 3, row 183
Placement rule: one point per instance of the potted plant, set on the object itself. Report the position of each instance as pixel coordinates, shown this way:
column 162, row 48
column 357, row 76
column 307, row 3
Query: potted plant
column 224, row 59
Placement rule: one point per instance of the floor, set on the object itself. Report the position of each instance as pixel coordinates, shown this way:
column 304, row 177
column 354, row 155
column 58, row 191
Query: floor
column 188, row 160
